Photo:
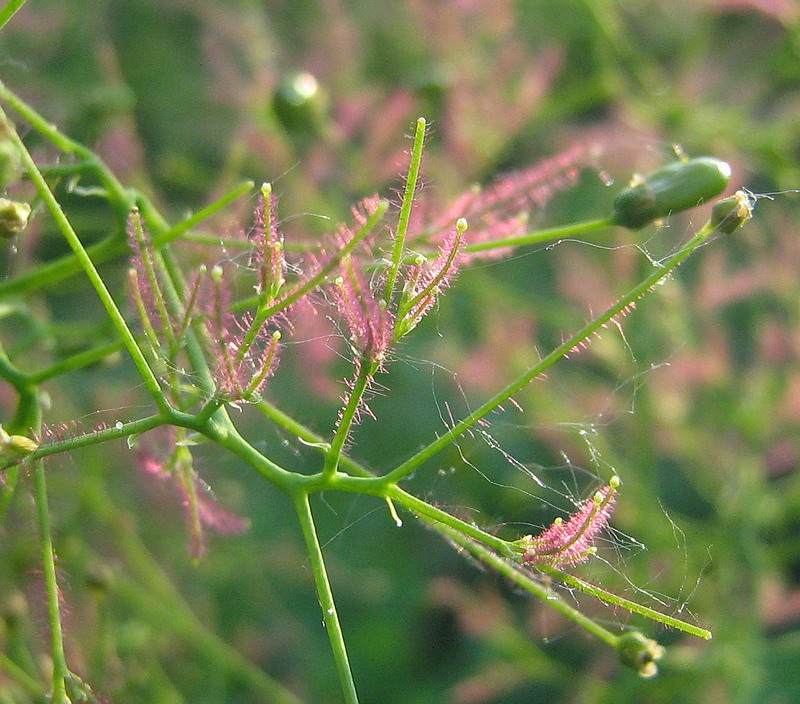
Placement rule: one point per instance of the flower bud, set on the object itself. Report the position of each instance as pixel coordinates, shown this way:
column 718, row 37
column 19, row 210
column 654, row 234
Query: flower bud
column 730, row 214
column 671, row 189
column 13, row 217
column 15, row 448
column 299, row 103
column 639, row 652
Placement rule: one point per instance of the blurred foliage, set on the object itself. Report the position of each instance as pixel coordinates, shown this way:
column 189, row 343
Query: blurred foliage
column 696, row 406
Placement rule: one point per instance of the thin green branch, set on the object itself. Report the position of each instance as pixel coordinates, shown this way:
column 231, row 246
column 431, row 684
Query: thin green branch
column 536, row 370
column 325, row 596
column 60, row 671
column 539, row 236
column 76, row 361
column 376, row 486
column 120, row 430
column 405, row 210
column 615, row 600
column 365, row 372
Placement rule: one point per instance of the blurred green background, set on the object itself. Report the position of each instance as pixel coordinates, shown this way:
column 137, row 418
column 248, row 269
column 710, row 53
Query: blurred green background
column 696, row 406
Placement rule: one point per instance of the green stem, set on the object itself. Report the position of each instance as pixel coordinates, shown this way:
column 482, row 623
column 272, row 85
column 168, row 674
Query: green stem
column 57, row 270
column 325, row 596
column 626, row 604
column 9, row 10
column 60, row 671
column 225, row 434
column 405, row 210
column 91, row 272
column 120, row 430
column 365, row 372
column 587, row 331
column 433, row 516
column 538, row 236
column 27, row 411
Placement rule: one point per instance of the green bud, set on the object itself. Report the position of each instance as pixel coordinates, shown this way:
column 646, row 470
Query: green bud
column 299, row 103
column 14, row 448
column 671, row 189
column 13, row 217
column 730, row 214
column 639, row 652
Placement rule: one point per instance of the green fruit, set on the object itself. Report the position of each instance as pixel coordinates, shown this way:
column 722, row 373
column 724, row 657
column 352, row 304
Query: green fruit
column 671, row 189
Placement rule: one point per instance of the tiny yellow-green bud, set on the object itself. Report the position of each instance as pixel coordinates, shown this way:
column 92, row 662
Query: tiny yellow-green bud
column 16, row 447
column 640, row 653
column 671, row 189
column 730, row 214
column 13, row 217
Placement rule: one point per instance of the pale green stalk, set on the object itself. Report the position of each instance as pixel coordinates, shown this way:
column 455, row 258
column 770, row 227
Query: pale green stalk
column 365, row 372
column 76, row 361
column 527, row 582
column 615, row 600
column 325, row 596
column 60, row 671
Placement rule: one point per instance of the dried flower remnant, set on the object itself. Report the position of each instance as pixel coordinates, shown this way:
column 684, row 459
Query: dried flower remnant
column 640, row 653
column 166, row 457
column 571, row 542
